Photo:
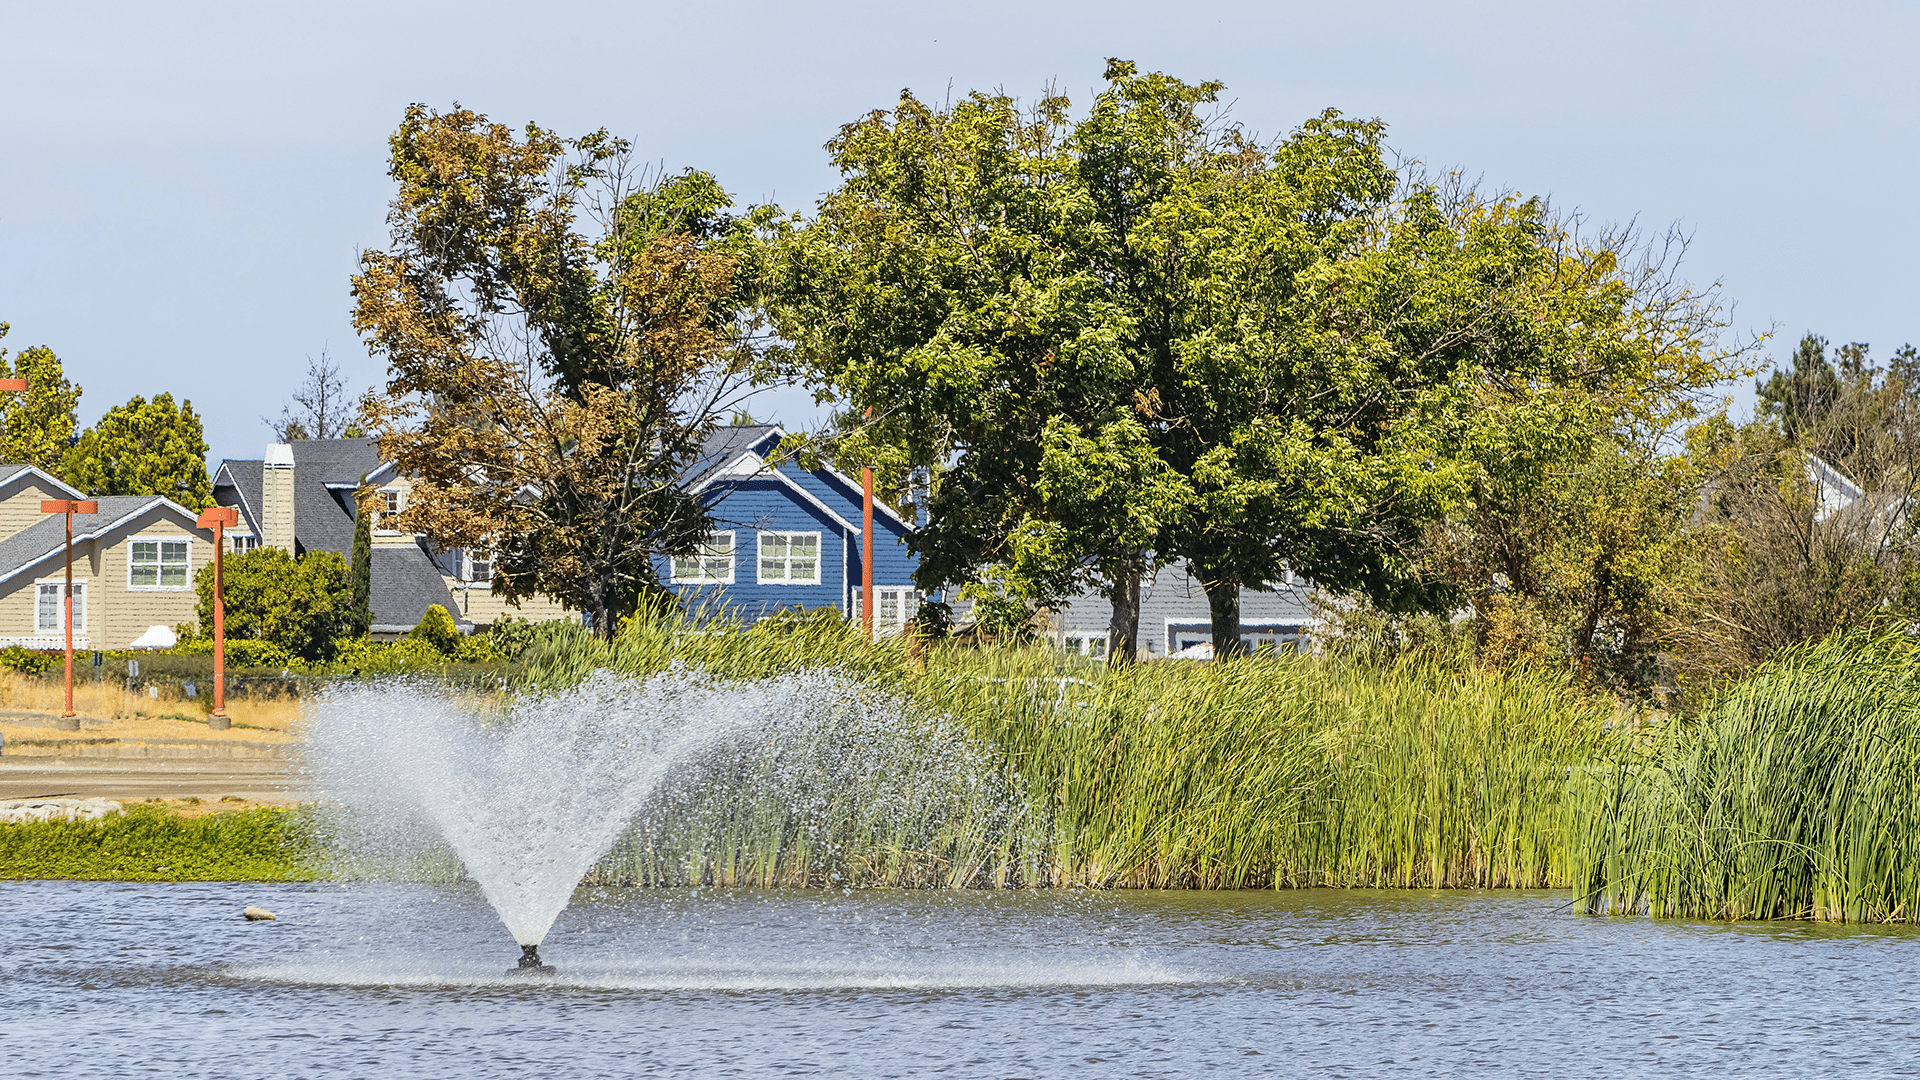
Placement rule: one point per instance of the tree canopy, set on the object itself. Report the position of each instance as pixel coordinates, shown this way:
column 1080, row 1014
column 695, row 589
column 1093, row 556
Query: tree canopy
column 36, row 429
column 1287, row 355
column 144, row 448
column 562, row 332
column 302, row 606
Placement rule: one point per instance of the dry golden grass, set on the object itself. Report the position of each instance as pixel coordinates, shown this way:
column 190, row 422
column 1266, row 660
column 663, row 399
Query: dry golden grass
column 138, row 715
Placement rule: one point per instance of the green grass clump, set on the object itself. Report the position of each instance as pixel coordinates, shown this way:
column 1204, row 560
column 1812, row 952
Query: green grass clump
column 147, row 843
column 1795, row 796
column 1290, row 771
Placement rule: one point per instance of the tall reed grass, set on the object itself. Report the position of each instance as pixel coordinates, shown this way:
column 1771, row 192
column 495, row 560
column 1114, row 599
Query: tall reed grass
column 1795, row 795
column 1273, row 772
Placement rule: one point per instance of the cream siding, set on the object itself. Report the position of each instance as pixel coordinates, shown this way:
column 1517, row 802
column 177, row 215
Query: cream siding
column 20, row 502
column 482, row 608
column 129, row 612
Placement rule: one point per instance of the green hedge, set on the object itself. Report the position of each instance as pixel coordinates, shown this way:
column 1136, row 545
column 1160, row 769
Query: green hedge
column 149, row 843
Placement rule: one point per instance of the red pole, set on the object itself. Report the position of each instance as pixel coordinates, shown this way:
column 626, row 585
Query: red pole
column 69, row 507
column 866, row 552
column 69, row 711
column 218, row 518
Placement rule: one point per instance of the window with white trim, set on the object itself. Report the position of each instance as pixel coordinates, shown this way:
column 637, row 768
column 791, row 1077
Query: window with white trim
column 386, row 505
column 789, row 558
column 159, row 563
column 475, row 564
column 243, row 542
column 711, row 565
column 48, row 614
column 893, row 608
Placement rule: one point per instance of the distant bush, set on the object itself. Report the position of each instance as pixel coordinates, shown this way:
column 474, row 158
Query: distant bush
column 437, row 629
column 512, row 639
column 241, row 652
column 27, row 661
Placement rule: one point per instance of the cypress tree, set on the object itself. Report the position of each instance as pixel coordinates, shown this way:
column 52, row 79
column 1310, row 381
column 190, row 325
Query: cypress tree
column 362, row 606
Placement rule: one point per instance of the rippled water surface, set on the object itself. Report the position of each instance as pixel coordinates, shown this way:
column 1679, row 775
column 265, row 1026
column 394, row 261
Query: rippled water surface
column 378, row 981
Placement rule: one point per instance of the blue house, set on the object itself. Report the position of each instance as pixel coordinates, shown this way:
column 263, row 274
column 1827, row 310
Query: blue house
column 787, row 538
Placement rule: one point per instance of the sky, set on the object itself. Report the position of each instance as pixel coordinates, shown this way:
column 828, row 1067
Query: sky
column 185, row 188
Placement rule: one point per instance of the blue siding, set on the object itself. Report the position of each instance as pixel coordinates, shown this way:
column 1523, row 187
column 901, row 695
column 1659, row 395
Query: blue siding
column 748, row 506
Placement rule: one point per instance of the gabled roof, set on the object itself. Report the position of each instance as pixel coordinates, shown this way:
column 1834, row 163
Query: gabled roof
column 724, row 447
column 242, row 478
column 9, row 473
column 47, row 538
column 738, row 452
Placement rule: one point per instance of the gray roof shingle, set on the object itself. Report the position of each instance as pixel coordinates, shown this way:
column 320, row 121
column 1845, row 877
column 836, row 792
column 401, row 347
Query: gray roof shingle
column 405, row 584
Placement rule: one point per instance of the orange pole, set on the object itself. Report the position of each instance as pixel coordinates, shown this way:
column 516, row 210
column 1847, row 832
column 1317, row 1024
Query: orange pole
column 69, row 711
column 219, row 624
column 218, row 518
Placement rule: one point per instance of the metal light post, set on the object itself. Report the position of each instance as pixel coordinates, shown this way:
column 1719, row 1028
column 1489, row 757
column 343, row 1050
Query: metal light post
column 866, row 545
column 218, row 518
column 13, row 386
column 69, row 507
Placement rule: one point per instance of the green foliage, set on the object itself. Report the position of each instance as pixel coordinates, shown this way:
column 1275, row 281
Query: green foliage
column 144, row 448
column 1795, row 796
column 151, row 844
column 436, row 628
column 299, row 606
column 241, row 652
column 1800, row 395
column 360, row 603
column 36, row 429
column 27, row 661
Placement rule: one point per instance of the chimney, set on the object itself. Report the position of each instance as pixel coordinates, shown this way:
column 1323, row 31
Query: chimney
column 276, row 498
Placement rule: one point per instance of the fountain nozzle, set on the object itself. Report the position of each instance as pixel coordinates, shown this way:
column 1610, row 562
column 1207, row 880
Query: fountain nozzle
column 530, row 963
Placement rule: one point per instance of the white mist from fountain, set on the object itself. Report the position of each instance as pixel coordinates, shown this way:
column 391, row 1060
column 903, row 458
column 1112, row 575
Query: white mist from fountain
column 528, row 800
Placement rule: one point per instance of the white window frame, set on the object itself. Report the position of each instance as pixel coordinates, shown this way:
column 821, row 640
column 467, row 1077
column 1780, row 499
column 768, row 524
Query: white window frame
column 906, row 600
column 701, row 557
column 383, row 510
column 760, row 557
column 80, row 591
column 241, row 543
column 160, row 566
column 464, row 564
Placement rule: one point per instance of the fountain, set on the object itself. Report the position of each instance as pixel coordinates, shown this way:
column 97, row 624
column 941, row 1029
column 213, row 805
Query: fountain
column 528, row 800
column 533, row 797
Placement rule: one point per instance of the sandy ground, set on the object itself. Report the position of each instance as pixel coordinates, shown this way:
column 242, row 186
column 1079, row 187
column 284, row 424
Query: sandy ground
column 140, row 757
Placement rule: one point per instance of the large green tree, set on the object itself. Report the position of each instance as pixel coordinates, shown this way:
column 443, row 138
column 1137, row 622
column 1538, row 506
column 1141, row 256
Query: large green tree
column 144, row 448
column 1286, row 356
column 561, row 334
column 35, row 429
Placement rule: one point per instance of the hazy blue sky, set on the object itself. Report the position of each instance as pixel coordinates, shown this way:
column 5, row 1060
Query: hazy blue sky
column 185, row 187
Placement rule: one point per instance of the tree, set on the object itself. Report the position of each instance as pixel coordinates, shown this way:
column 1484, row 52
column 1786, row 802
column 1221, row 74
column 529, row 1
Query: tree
column 36, row 429
column 1787, row 552
column 1296, row 354
column 361, row 600
column 320, row 408
column 298, row 605
column 437, row 629
column 144, row 448
column 548, row 386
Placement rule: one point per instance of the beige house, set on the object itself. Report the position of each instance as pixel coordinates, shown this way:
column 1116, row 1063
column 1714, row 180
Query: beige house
column 300, row 497
column 133, row 565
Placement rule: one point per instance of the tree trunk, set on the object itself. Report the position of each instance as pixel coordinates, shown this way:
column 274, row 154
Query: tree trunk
column 1223, row 609
column 1123, row 629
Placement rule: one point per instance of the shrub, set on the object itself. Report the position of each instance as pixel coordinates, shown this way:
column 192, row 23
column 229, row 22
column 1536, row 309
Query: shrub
column 26, row 661
column 437, row 629
column 301, row 605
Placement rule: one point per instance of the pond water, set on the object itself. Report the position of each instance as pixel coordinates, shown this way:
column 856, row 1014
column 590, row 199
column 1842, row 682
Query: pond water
column 107, row 980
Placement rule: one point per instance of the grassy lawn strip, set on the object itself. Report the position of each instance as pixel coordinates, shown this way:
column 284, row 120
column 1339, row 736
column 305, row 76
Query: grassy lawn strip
column 153, row 844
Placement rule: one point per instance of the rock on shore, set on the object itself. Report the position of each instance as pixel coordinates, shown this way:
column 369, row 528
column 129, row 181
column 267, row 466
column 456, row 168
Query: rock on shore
column 15, row 811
